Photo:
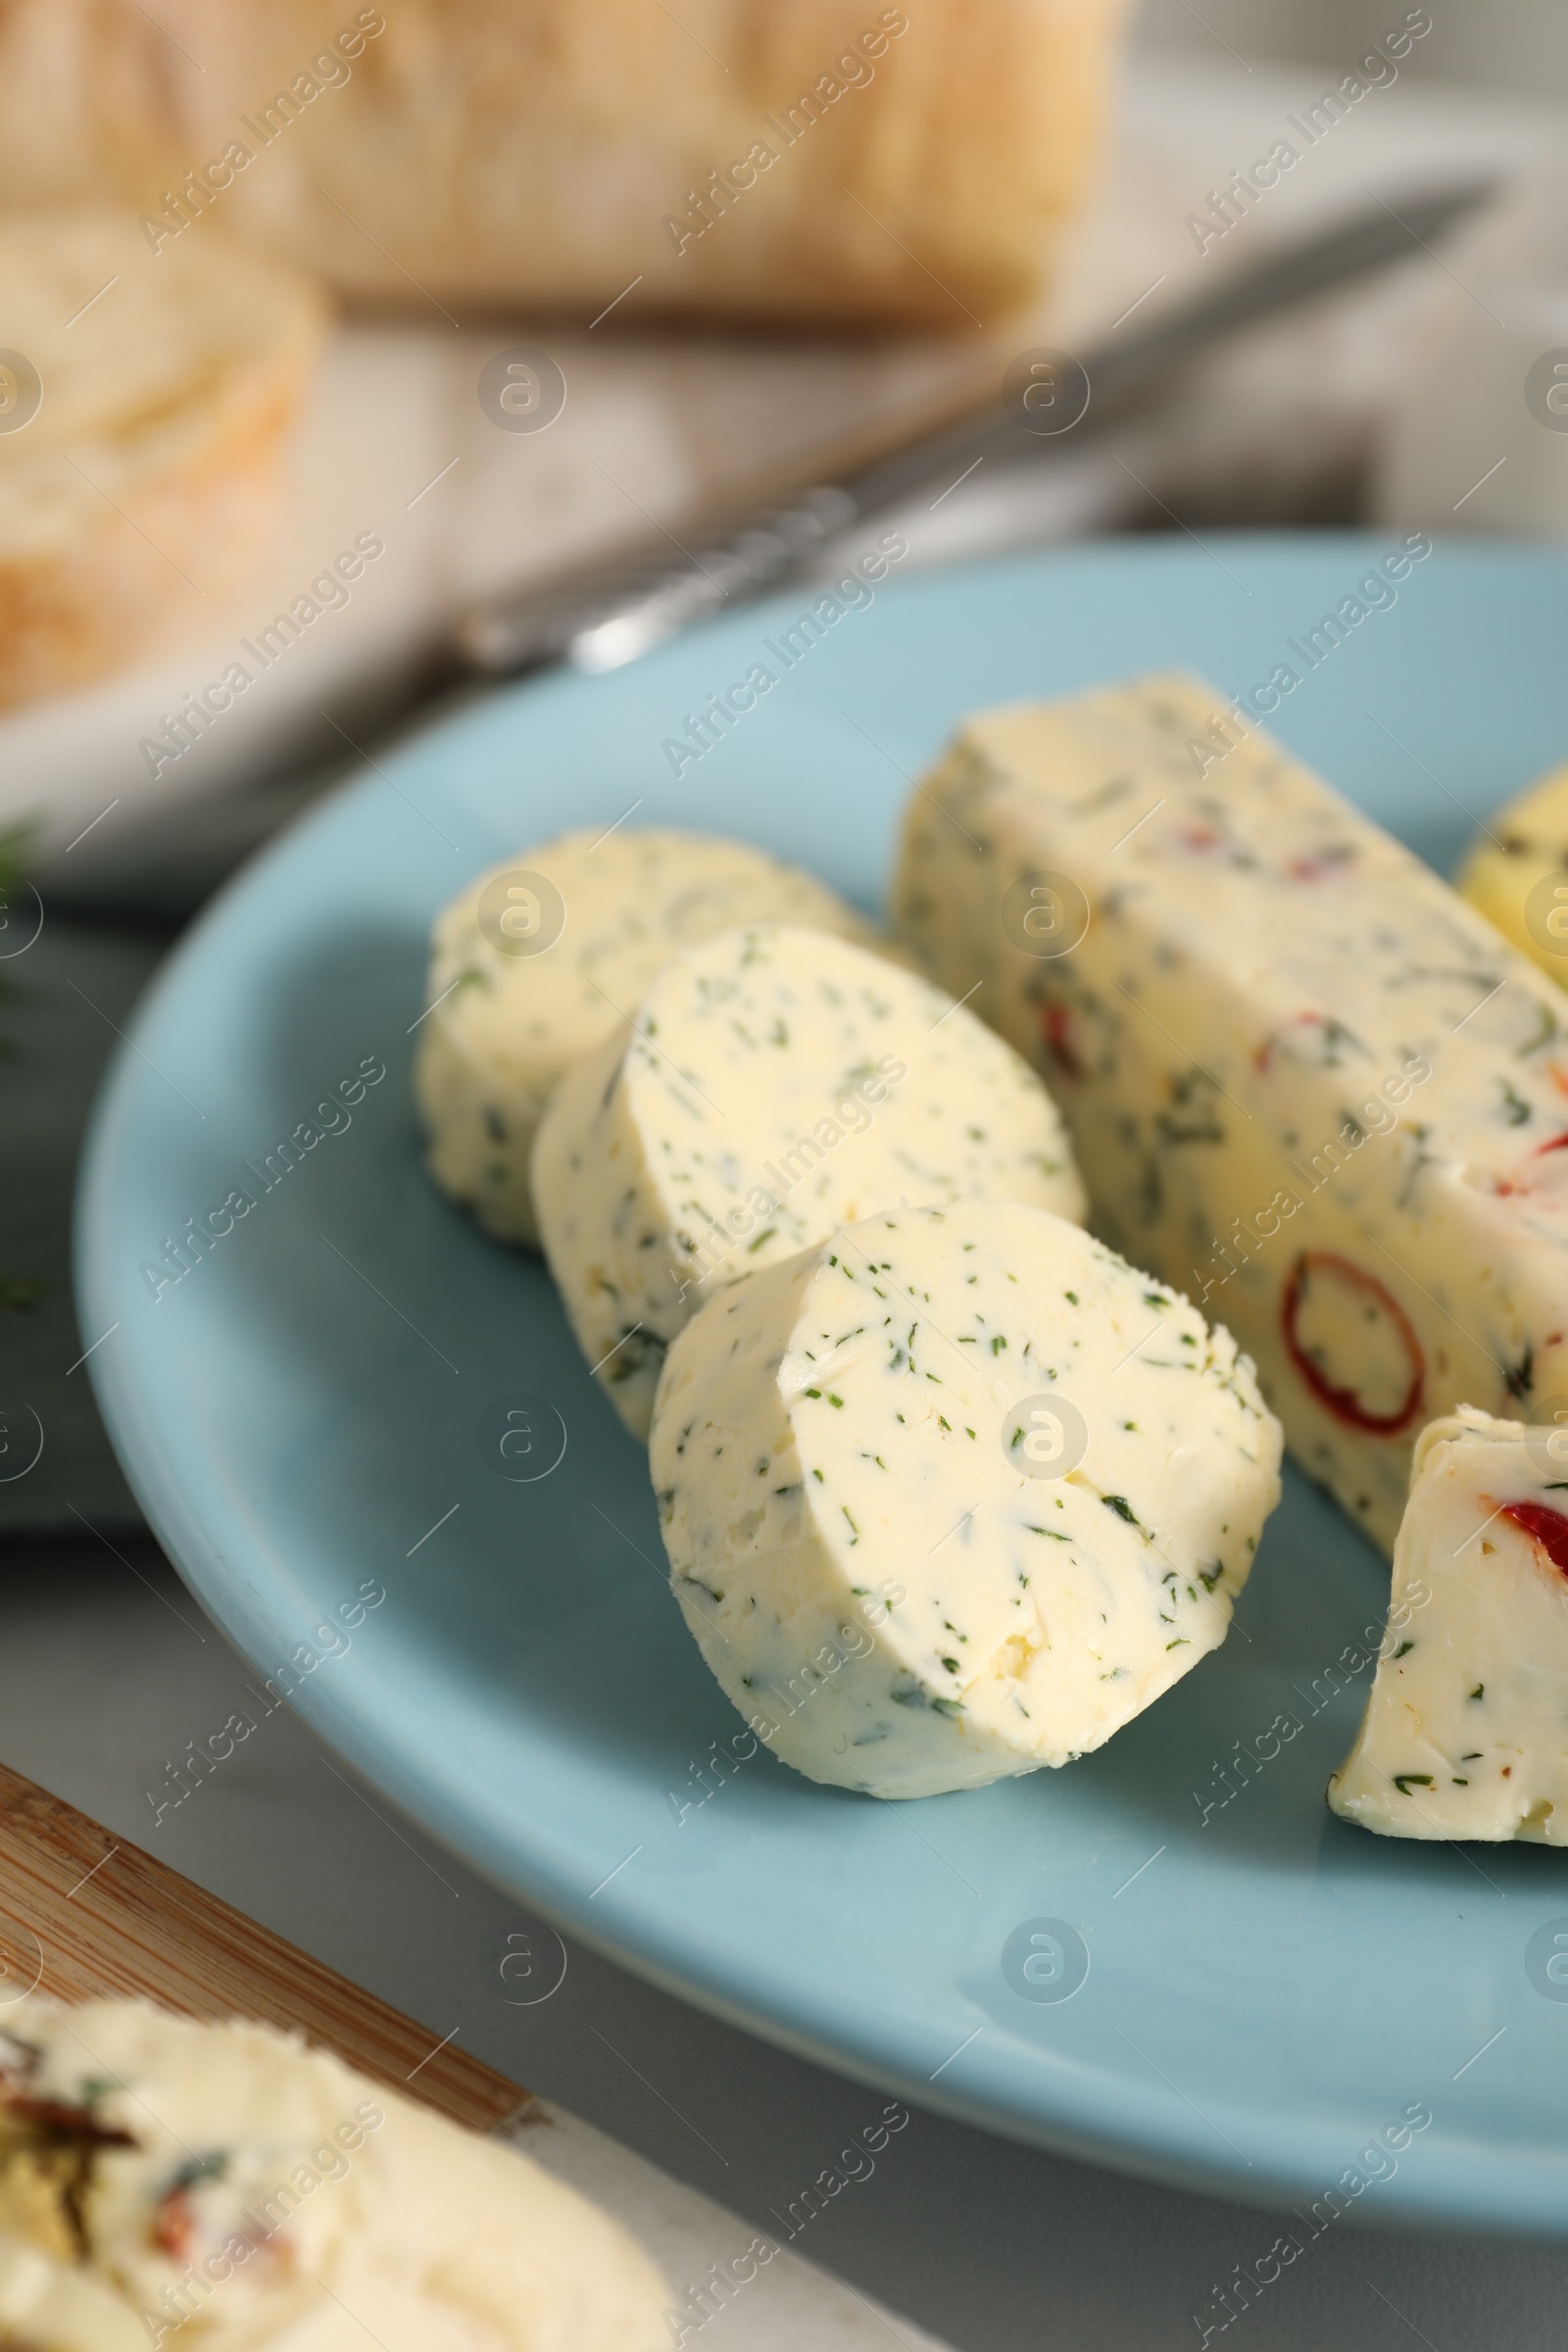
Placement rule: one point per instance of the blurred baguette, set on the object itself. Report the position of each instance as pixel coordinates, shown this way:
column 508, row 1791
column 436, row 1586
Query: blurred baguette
column 143, row 401
column 559, row 153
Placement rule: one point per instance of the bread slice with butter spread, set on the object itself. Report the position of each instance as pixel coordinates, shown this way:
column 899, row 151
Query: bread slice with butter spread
column 224, row 2189
column 144, row 400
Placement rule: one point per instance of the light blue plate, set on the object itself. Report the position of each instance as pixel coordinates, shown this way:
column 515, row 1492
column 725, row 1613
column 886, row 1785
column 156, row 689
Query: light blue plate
column 1269, row 1992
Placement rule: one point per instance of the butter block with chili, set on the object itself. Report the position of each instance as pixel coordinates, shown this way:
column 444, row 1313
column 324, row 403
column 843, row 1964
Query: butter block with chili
column 1307, row 1083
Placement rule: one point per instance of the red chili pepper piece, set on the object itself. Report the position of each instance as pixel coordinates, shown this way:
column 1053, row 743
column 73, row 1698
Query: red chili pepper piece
column 1344, row 1403
column 1544, row 1526
column 174, row 2224
column 1054, row 1029
column 1263, row 1055
column 1318, row 863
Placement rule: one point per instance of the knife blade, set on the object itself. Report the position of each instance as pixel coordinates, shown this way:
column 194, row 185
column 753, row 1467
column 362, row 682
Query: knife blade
column 603, row 616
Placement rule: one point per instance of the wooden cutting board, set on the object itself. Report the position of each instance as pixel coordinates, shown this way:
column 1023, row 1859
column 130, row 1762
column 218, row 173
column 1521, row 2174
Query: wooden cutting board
column 84, row 1915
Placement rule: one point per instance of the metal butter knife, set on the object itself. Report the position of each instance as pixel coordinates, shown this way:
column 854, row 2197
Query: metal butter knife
column 602, row 618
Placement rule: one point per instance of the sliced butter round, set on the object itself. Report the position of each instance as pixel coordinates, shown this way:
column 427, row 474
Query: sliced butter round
column 1509, row 869
column 523, row 984
column 775, row 1085
column 955, row 1494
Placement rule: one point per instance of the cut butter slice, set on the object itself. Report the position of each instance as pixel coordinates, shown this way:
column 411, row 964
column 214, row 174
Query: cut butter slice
column 776, row 1083
column 1305, row 1081
column 955, row 1494
column 1516, row 871
column 1466, row 1726
column 525, row 980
